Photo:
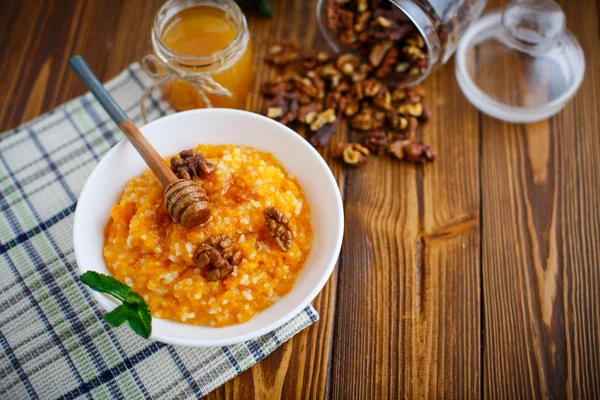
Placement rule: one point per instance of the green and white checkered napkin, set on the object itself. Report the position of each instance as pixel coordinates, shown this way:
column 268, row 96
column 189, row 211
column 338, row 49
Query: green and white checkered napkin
column 52, row 336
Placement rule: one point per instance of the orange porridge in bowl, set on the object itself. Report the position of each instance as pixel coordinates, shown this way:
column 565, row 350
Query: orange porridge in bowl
column 146, row 249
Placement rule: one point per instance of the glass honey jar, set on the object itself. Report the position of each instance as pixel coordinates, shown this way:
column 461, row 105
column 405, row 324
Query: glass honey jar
column 200, row 45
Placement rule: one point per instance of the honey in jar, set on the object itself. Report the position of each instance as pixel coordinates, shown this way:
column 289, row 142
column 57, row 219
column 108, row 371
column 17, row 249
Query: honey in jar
column 209, row 37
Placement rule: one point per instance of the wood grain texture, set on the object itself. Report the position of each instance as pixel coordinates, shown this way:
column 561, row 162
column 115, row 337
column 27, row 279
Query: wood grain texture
column 540, row 235
column 474, row 276
column 408, row 314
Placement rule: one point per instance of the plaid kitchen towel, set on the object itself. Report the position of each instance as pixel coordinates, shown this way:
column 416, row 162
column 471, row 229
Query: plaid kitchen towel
column 53, row 341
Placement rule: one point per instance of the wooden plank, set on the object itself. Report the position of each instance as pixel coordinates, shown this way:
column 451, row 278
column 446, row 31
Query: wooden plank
column 300, row 367
column 541, row 229
column 407, row 321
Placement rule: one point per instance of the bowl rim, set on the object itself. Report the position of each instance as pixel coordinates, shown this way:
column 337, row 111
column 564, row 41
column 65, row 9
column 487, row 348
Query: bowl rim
column 106, row 301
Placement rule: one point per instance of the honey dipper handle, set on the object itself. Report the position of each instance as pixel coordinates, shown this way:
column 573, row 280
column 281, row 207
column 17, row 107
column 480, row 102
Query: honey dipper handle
column 148, row 153
column 141, row 144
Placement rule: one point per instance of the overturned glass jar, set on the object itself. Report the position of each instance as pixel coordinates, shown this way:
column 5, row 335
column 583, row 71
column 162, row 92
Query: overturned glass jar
column 404, row 40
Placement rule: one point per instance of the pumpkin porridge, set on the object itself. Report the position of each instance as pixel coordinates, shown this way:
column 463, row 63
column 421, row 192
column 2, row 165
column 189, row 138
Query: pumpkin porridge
column 240, row 262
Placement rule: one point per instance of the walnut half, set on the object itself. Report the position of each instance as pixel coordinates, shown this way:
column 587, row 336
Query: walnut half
column 353, row 154
column 279, row 229
column 191, row 164
column 217, row 257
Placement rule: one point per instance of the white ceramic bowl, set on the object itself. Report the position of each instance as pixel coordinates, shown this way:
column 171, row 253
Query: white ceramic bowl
column 176, row 132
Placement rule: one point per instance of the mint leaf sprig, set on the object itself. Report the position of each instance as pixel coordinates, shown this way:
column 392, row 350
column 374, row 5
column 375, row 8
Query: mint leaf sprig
column 133, row 308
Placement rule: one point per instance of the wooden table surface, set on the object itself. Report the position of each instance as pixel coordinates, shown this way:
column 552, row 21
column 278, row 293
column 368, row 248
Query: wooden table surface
column 476, row 275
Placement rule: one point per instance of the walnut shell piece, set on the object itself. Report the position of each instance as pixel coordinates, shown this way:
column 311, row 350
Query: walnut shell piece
column 279, row 229
column 217, row 257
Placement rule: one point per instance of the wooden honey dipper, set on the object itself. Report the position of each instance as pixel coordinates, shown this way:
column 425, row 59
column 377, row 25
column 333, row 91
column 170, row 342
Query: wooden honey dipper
column 186, row 201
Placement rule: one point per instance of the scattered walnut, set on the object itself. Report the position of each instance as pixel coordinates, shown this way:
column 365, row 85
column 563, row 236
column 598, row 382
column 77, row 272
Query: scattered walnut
column 276, row 86
column 388, row 63
column 394, row 14
column 414, row 109
column 217, row 257
column 379, row 51
column 426, row 114
column 191, row 164
column 368, row 119
column 331, row 75
column 332, row 100
column 376, row 141
column 396, row 121
column 412, row 125
column 348, row 37
column 383, row 99
column 371, row 87
column 348, row 63
column 416, row 40
column 410, row 150
column 396, row 135
column 311, row 59
column 346, row 19
column 383, row 22
column 279, row 229
column 349, row 105
column 282, row 108
column 332, row 14
column 413, row 53
column 282, row 53
column 306, row 109
column 323, row 135
column 394, row 32
column 362, row 5
column 362, row 21
column 326, row 117
column 352, row 154
column 305, row 86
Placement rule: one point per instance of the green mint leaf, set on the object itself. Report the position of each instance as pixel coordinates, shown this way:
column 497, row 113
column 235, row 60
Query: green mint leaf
column 141, row 320
column 106, row 284
column 135, row 299
column 133, row 310
column 117, row 316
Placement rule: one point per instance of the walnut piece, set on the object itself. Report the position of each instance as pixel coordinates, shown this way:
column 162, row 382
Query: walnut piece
column 410, row 150
column 326, row 117
column 379, row 51
column 282, row 53
column 348, row 63
column 282, row 108
column 352, row 154
column 311, row 59
column 217, row 257
column 414, row 109
column 323, row 135
column 276, row 86
column 277, row 223
column 191, row 164
column 376, row 141
column 308, row 111
column 368, row 119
